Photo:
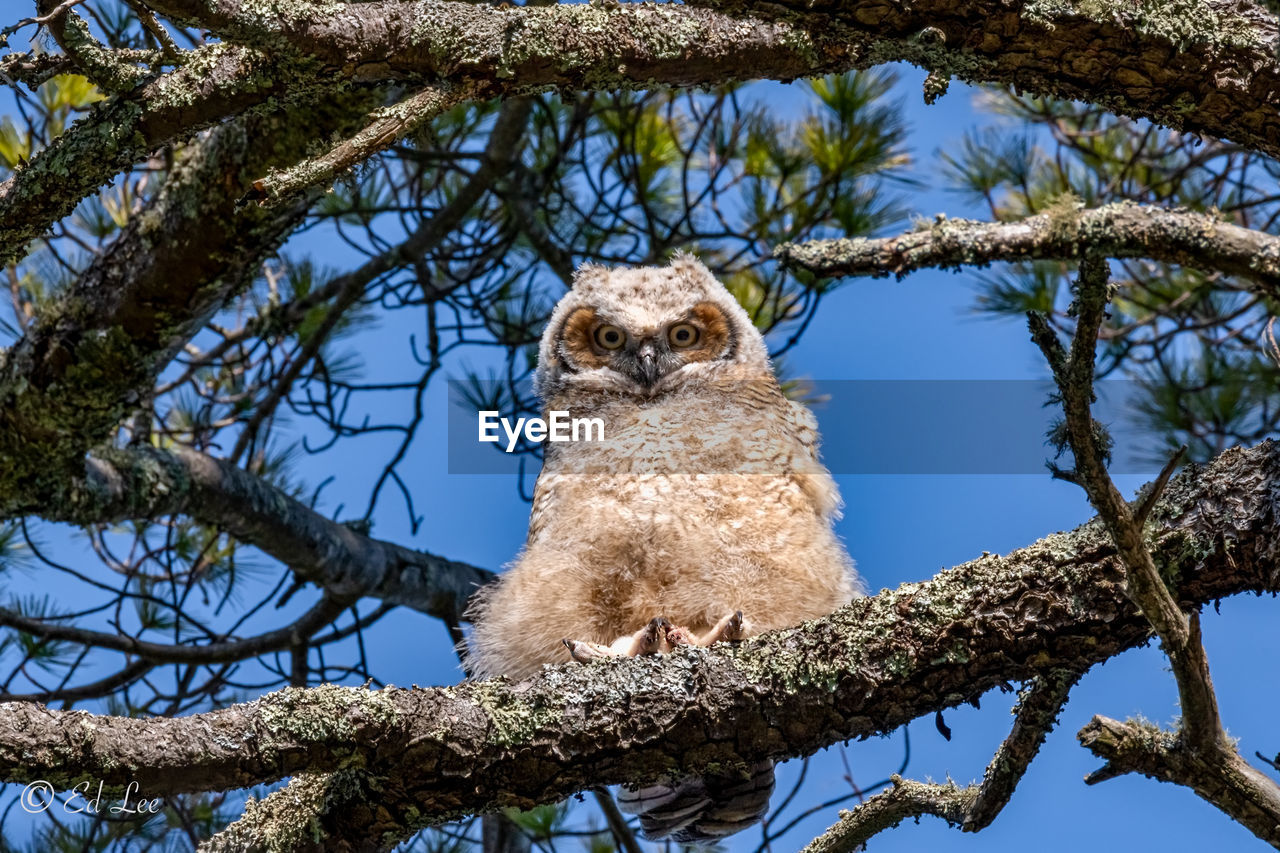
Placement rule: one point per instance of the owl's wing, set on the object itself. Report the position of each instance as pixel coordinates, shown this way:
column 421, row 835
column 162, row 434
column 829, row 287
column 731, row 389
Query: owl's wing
column 811, row 475
column 803, row 426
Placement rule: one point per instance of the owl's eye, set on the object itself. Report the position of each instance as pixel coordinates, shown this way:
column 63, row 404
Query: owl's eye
column 683, row 335
column 610, row 337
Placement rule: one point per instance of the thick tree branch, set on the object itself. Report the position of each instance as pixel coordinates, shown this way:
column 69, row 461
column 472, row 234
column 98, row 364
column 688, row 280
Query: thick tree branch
column 1122, row 230
column 867, row 669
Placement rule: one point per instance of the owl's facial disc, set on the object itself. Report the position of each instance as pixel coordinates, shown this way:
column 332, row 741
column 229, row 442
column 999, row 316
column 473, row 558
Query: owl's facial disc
column 646, row 356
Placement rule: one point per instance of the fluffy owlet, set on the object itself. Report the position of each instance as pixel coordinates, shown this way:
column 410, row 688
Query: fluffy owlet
column 704, row 515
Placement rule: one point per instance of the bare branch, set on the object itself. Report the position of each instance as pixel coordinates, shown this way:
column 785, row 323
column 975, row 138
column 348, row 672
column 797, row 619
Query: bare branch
column 387, row 126
column 320, row 615
column 1157, row 488
column 973, row 807
column 906, row 799
column 147, row 482
column 1222, row 778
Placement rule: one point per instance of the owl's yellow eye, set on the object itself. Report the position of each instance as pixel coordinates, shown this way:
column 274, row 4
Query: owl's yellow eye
column 610, row 337
column 683, row 335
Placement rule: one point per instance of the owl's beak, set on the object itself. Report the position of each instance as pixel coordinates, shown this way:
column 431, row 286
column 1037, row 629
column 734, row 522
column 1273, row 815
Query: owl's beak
column 648, row 357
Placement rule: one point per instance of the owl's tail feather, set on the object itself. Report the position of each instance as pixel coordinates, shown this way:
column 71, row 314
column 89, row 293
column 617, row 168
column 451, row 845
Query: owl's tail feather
column 702, row 808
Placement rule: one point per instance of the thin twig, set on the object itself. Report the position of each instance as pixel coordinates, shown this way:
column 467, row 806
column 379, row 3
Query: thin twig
column 389, row 125
column 40, row 20
column 1157, row 488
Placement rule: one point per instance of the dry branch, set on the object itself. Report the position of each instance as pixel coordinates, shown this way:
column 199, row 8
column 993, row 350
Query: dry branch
column 1200, row 754
column 973, row 807
column 147, row 482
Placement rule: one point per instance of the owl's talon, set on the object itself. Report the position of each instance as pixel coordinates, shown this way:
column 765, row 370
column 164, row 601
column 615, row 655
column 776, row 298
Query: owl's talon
column 651, row 639
column 584, row 652
column 730, row 628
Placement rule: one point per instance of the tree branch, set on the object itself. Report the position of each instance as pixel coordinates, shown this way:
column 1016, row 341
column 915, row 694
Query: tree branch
column 320, row 615
column 1208, row 69
column 973, row 807
column 386, row 126
column 213, row 83
column 1224, row 779
column 867, row 669
column 75, row 374
column 1121, row 230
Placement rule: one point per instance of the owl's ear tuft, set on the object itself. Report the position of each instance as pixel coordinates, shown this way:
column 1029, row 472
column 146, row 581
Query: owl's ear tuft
column 682, row 260
column 589, row 274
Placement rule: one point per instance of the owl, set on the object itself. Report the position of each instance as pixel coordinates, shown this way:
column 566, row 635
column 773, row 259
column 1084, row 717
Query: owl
column 703, row 515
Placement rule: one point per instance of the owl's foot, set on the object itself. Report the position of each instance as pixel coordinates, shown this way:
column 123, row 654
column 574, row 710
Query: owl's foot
column 650, row 639
column 728, row 628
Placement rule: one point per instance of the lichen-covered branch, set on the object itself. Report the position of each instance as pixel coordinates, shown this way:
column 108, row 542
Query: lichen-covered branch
column 1208, row 67
column 386, row 126
column 76, row 373
column 865, row 670
column 906, row 799
column 99, row 63
column 213, row 83
column 1222, row 778
column 1122, row 230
